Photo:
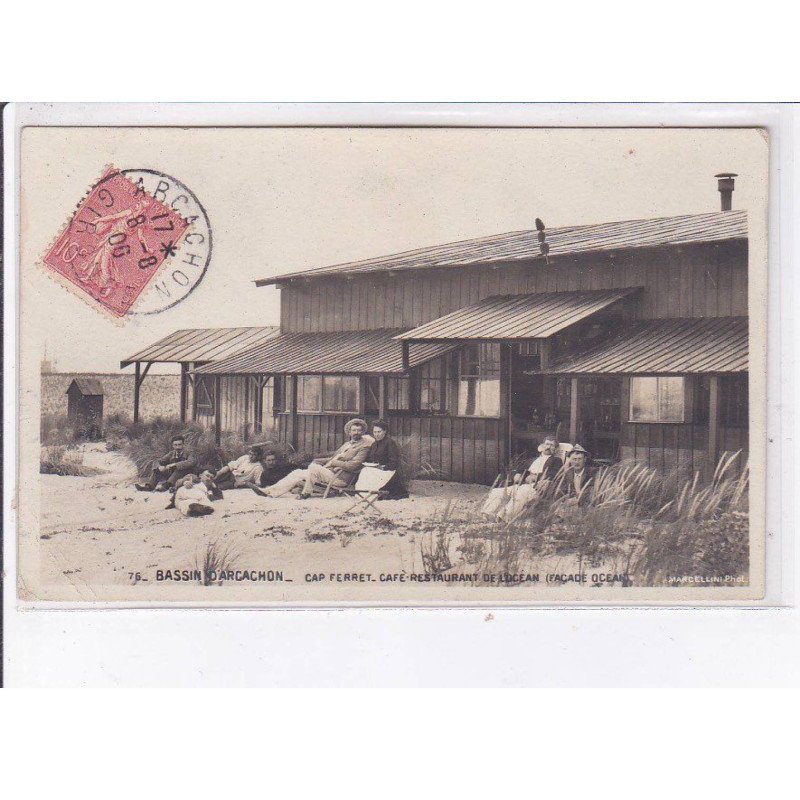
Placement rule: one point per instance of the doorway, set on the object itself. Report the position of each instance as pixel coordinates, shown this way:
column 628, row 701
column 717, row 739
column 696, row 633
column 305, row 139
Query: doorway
column 600, row 416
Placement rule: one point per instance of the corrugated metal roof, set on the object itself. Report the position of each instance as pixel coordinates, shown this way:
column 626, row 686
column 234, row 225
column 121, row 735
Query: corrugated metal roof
column 527, row 316
column 203, row 344
column 667, row 346
column 87, row 386
column 517, row 245
column 347, row 352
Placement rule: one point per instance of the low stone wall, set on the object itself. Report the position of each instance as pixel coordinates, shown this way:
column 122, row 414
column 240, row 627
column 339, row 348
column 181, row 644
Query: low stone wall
column 160, row 395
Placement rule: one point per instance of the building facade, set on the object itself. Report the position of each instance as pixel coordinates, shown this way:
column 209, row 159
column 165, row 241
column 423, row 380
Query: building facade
column 628, row 337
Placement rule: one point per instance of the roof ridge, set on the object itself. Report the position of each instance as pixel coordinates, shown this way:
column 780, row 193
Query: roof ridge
column 455, row 253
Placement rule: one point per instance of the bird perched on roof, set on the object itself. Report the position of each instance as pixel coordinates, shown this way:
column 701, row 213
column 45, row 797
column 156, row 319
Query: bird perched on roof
column 544, row 247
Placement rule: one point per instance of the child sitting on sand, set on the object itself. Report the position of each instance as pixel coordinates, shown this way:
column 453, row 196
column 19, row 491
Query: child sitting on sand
column 192, row 497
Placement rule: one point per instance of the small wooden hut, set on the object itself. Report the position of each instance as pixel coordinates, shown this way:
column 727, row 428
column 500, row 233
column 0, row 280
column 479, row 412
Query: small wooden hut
column 85, row 406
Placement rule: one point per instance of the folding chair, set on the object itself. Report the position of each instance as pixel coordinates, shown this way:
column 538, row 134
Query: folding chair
column 330, row 488
column 367, row 488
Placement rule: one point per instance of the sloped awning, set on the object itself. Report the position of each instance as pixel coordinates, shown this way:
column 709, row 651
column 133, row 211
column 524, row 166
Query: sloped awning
column 340, row 353
column 510, row 317
column 667, row 346
column 202, row 344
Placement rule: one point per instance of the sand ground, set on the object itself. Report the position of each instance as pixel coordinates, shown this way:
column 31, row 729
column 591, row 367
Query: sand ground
column 99, row 531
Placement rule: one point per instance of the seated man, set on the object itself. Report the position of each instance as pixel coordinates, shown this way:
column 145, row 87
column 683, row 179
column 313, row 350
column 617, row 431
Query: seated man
column 207, row 479
column 169, row 469
column 243, row 472
column 338, row 470
column 577, row 476
column 192, row 499
column 274, row 469
column 507, row 502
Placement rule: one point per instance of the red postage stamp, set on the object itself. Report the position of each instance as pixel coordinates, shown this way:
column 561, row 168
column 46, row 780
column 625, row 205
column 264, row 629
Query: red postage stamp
column 116, row 242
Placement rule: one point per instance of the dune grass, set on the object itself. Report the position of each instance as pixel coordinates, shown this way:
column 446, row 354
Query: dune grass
column 630, row 520
column 146, row 442
column 53, row 461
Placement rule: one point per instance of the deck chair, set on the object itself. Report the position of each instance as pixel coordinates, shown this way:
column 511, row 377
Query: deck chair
column 368, row 488
column 329, row 489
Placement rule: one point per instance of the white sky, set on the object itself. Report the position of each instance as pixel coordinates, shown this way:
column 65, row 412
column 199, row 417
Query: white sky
column 281, row 200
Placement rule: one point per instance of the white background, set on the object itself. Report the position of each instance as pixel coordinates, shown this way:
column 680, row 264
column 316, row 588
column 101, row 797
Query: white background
column 96, row 745
column 443, row 743
column 413, row 647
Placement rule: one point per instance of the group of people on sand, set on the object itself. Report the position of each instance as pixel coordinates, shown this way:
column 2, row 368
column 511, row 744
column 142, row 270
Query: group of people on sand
column 547, row 472
column 194, row 490
column 261, row 470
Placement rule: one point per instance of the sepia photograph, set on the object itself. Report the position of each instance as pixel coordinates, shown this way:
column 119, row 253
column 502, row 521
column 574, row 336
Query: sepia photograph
column 392, row 366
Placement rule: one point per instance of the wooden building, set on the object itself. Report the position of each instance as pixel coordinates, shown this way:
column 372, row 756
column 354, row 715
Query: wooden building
column 235, row 402
column 628, row 337
column 85, row 405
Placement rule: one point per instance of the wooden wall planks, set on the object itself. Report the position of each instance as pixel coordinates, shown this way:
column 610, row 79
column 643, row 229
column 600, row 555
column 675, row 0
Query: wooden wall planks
column 451, row 448
column 691, row 281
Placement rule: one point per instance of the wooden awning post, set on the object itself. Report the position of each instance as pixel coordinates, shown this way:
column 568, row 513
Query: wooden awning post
column 382, row 397
column 507, row 396
column 293, row 408
column 713, row 426
column 184, row 391
column 137, row 382
column 362, row 396
column 574, row 406
column 260, row 383
column 217, row 409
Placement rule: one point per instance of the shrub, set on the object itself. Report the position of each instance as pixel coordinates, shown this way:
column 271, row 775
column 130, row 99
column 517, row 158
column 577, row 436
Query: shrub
column 632, row 520
column 147, row 442
column 58, row 429
column 53, row 462
column 437, row 534
column 116, row 432
column 413, row 464
column 216, row 560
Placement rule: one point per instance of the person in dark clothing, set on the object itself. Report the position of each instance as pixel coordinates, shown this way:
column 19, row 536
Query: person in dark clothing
column 274, row 469
column 577, row 476
column 170, row 469
column 385, row 452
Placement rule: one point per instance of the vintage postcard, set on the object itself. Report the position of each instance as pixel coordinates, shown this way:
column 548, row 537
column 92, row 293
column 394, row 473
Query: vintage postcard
column 392, row 365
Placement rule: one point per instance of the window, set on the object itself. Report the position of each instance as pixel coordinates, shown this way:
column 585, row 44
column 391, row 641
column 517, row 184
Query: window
column 372, row 388
column 340, row 393
column 280, row 394
column 479, row 381
column 317, row 393
column 657, row 399
column 398, row 394
column 431, row 386
column 309, row 392
column 734, row 411
column 204, row 394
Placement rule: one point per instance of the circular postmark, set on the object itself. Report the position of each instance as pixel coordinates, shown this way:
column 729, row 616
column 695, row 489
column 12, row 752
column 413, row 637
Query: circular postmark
column 188, row 265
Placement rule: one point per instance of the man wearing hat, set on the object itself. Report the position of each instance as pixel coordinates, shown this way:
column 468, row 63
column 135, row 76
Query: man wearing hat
column 340, row 469
column 577, row 474
column 507, row 502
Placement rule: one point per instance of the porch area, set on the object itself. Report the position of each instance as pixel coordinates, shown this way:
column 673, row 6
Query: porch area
column 472, row 392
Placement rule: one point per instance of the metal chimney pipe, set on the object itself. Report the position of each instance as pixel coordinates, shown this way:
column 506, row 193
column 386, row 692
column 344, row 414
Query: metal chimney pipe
column 725, row 186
